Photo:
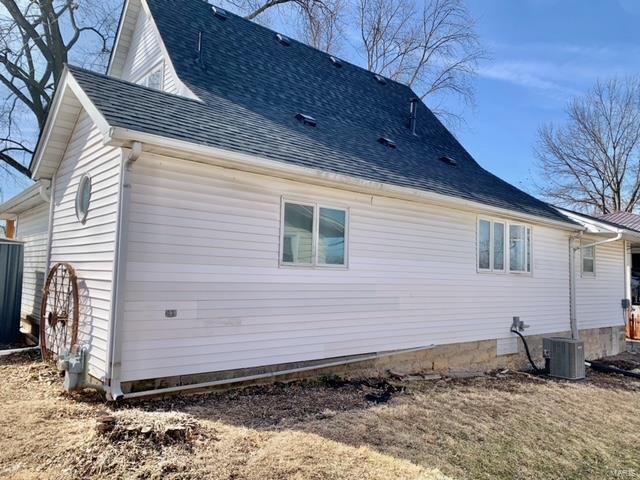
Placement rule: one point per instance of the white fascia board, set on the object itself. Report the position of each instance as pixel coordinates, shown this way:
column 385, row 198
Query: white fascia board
column 88, row 106
column 48, row 126
column 67, row 84
column 631, row 236
column 591, row 225
column 13, row 207
column 116, row 45
column 595, row 227
column 255, row 164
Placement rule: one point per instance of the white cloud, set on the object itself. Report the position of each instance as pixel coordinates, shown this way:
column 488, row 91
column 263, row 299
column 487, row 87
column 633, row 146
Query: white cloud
column 528, row 75
column 557, row 70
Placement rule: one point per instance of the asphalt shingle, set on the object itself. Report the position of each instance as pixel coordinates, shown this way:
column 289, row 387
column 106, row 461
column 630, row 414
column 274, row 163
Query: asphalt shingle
column 252, row 87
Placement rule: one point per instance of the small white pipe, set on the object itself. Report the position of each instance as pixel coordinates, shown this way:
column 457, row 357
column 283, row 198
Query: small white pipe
column 259, row 376
column 572, row 288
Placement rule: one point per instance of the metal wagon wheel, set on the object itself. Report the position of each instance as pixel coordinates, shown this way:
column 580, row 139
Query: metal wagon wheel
column 59, row 314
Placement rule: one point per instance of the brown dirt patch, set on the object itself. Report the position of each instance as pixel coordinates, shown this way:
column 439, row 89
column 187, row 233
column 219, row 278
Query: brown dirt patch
column 505, row 425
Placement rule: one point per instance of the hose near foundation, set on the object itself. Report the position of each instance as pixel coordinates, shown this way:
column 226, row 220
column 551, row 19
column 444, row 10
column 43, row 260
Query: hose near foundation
column 537, row 370
column 603, row 367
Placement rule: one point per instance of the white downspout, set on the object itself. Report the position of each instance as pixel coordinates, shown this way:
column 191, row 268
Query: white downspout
column 573, row 276
column 47, row 264
column 112, row 381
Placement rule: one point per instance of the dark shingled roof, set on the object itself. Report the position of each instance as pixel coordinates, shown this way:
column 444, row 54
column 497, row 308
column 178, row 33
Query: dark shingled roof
column 625, row 219
column 252, row 87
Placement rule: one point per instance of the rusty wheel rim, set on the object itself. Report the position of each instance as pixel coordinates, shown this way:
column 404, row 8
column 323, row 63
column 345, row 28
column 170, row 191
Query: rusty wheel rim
column 59, row 313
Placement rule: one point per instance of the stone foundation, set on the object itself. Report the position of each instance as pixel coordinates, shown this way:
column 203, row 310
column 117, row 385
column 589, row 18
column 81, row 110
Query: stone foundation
column 483, row 355
column 479, row 356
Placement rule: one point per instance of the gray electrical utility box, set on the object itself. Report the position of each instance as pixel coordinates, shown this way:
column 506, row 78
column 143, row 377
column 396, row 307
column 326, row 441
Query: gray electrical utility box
column 566, row 357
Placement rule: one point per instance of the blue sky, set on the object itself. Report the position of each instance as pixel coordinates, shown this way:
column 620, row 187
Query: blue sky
column 542, row 52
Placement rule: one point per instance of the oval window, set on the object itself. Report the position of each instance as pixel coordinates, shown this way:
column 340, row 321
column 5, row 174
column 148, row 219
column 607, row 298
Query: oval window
column 83, row 198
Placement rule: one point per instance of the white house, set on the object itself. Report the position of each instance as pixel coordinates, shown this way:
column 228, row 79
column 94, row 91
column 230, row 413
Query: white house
column 236, row 203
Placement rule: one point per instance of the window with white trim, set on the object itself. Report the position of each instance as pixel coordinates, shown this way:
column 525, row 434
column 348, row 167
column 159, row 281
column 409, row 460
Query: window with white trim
column 588, row 260
column 154, row 79
column 503, row 245
column 313, row 235
column 83, row 198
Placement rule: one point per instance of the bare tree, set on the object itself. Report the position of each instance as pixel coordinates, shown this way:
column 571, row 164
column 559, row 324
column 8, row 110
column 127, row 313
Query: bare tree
column 430, row 45
column 433, row 49
column 36, row 38
column 592, row 162
column 320, row 25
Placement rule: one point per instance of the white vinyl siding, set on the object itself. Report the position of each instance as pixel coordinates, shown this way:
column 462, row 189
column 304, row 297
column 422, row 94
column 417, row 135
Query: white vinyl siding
column 33, row 228
column 599, row 296
column 88, row 247
column 205, row 241
column 146, row 55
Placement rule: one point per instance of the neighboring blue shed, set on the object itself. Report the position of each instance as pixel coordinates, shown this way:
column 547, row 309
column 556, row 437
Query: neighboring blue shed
column 11, row 260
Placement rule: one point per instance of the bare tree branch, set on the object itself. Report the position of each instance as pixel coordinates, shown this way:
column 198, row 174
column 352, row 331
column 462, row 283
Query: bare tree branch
column 592, row 162
column 36, row 38
column 435, row 50
column 430, row 45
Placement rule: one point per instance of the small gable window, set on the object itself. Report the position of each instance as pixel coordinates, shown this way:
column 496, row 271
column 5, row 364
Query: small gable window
column 588, row 260
column 154, row 79
column 83, row 198
column 313, row 235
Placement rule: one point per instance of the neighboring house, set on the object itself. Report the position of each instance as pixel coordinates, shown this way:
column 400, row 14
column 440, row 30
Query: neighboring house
column 626, row 219
column 236, row 203
column 30, row 213
column 596, row 262
column 631, row 221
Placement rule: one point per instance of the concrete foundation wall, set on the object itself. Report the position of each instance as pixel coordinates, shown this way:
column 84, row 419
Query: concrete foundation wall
column 465, row 357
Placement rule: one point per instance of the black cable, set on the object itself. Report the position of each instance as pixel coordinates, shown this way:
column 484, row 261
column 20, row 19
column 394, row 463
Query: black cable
column 526, row 349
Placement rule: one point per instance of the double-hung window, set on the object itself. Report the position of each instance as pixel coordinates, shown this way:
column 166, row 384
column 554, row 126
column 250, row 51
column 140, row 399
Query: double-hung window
column 313, row 235
column 503, row 246
column 588, row 260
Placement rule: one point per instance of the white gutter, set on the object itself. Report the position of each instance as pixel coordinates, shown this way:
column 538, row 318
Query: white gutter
column 573, row 321
column 245, row 162
column 14, row 205
column 112, row 381
column 259, row 376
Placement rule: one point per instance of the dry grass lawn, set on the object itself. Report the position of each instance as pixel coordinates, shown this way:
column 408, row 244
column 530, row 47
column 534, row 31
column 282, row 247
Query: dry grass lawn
column 509, row 426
